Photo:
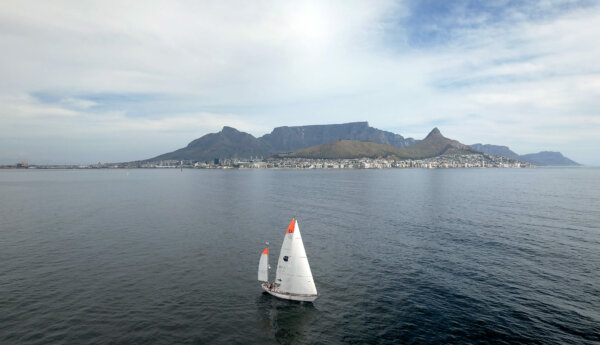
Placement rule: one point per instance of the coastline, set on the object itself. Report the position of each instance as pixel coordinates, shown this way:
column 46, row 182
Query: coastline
column 439, row 162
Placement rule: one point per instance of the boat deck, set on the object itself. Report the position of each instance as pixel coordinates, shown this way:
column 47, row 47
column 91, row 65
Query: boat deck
column 289, row 295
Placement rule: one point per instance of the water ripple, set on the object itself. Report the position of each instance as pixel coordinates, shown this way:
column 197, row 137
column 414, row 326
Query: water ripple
column 398, row 256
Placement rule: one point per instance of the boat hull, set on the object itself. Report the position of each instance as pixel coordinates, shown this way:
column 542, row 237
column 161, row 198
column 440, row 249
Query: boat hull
column 290, row 296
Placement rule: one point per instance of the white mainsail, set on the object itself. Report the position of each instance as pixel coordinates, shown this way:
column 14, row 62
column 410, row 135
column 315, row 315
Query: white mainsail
column 293, row 274
column 263, row 266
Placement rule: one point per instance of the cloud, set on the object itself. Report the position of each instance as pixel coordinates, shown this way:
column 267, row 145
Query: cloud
column 530, row 84
column 156, row 75
column 48, row 132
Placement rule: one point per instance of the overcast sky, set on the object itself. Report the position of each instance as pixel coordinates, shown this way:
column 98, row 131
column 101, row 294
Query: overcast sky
column 106, row 81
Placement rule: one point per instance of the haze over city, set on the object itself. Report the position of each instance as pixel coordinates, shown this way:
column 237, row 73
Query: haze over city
column 86, row 82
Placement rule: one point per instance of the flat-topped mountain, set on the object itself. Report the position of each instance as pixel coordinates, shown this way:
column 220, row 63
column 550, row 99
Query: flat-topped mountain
column 344, row 140
column 231, row 143
column 433, row 145
column 544, row 158
column 289, row 139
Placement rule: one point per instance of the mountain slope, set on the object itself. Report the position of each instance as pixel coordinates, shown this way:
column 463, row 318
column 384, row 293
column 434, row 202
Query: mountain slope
column 544, row 158
column 548, row 158
column 231, row 143
column 344, row 149
column 496, row 150
column 228, row 143
column 434, row 144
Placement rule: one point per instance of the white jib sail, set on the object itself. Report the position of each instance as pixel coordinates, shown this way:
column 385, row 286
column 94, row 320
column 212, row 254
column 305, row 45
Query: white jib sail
column 263, row 266
column 293, row 271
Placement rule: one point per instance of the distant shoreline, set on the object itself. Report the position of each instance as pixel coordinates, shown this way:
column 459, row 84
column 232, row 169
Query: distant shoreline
column 54, row 167
column 278, row 168
column 441, row 162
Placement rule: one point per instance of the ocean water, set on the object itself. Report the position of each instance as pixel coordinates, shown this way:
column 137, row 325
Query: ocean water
column 398, row 256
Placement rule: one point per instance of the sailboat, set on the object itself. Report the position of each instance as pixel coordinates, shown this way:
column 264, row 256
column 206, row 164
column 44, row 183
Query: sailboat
column 293, row 278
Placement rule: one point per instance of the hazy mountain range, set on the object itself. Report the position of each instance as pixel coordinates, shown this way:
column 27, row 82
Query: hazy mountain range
column 348, row 140
column 541, row 158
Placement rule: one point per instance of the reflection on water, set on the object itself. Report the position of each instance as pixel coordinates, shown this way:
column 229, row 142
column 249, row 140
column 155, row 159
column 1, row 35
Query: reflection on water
column 287, row 321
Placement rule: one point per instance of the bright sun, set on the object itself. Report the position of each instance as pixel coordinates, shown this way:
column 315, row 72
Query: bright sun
column 309, row 24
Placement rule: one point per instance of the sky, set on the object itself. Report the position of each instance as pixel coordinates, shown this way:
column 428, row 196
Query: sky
column 110, row 81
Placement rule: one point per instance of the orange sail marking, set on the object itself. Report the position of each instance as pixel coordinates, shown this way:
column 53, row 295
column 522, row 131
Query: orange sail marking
column 266, row 251
column 290, row 229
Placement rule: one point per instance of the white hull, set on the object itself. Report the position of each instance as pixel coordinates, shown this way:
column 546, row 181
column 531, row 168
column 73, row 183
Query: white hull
column 290, row 296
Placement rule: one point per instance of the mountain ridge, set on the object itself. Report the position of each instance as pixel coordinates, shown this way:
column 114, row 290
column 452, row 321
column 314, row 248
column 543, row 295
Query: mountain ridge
column 434, row 144
column 542, row 158
column 294, row 138
column 230, row 143
column 548, row 158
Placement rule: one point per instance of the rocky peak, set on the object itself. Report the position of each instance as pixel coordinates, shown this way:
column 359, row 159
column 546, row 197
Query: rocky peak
column 434, row 132
column 229, row 130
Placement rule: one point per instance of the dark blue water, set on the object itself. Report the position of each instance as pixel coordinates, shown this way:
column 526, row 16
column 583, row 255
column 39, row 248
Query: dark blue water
column 398, row 256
